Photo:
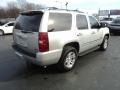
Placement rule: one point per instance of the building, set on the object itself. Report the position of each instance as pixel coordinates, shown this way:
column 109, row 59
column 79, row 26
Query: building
column 109, row 13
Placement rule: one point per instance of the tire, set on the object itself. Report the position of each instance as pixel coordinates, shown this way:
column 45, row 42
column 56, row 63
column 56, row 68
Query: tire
column 1, row 33
column 104, row 44
column 68, row 59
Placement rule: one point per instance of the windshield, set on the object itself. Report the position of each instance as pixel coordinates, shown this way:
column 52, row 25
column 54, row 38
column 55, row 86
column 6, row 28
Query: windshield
column 29, row 21
column 2, row 23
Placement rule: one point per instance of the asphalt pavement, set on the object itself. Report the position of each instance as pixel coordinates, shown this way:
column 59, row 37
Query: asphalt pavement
column 95, row 71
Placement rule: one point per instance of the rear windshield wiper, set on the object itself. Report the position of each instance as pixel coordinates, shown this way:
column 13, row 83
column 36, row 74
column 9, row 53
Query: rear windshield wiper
column 23, row 31
column 50, row 30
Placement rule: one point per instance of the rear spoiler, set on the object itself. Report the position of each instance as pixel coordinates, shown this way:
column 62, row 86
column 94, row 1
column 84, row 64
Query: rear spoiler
column 31, row 13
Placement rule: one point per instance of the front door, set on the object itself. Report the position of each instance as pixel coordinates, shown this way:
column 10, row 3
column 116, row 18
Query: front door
column 83, row 33
column 96, row 33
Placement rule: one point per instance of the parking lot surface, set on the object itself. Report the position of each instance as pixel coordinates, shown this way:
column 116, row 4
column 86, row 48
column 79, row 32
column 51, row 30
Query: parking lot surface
column 95, row 71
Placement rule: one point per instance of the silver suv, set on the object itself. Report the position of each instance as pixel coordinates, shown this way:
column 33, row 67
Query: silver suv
column 57, row 37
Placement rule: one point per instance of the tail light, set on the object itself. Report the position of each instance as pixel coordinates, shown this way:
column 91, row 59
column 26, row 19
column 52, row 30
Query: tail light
column 43, row 42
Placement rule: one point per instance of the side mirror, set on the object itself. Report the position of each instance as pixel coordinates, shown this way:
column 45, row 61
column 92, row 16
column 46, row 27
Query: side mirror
column 103, row 25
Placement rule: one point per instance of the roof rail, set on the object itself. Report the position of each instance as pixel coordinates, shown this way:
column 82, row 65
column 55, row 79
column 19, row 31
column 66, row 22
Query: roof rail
column 54, row 8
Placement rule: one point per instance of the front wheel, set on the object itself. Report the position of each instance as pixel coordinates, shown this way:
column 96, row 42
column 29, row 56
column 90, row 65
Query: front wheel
column 68, row 59
column 104, row 44
column 1, row 33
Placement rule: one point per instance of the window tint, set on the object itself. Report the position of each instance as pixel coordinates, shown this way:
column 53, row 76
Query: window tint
column 93, row 22
column 11, row 24
column 29, row 22
column 59, row 22
column 81, row 22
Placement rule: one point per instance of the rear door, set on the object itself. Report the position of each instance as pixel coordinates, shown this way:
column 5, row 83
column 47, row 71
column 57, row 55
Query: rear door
column 26, row 30
column 59, row 29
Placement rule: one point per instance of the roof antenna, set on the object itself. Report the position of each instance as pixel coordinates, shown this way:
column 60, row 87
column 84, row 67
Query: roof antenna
column 66, row 5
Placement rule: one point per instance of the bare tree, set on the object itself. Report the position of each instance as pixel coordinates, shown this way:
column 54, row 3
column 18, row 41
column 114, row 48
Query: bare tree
column 2, row 12
column 24, row 5
column 32, row 6
column 13, row 8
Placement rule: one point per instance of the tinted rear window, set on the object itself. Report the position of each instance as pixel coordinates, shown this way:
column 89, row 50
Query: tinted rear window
column 29, row 22
column 82, row 22
column 59, row 22
column 11, row 24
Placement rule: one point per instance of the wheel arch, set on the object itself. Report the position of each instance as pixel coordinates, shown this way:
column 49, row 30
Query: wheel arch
column 108, row 35
column 2, row 31
column 73, row 44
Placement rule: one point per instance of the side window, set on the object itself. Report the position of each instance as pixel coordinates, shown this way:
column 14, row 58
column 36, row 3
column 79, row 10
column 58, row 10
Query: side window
column 59, row 22
column 93, row 22
column 81, row 22
column 10, row 24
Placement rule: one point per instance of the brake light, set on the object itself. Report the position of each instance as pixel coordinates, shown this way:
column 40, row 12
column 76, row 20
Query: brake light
column 43, row 42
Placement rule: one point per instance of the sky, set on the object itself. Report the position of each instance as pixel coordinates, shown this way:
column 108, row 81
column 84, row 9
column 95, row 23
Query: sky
column 90, row 6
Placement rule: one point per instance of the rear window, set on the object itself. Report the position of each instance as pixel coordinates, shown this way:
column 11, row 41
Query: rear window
column 82, row 22
column 59, row 22
column 29, row 21
column 2, row 23
column 11, row 24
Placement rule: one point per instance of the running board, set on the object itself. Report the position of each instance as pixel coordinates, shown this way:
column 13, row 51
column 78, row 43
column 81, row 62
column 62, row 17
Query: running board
column 88, row 51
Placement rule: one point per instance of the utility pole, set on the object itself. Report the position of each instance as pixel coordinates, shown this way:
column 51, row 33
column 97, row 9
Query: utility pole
column 66, row 5
column 109, row 14
column 99, row 14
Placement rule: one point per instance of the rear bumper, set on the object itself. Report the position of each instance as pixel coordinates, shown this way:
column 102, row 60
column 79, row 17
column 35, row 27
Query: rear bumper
column 46, row 58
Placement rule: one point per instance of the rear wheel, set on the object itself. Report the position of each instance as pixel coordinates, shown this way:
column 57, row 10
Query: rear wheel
column 104, row 44
column 68, row 59
column 1, row 33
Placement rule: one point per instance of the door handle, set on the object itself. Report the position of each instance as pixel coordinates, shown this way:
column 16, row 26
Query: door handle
column 80, row 34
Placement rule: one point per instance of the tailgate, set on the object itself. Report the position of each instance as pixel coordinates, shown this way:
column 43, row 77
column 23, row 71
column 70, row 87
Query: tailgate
column 26, row 30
